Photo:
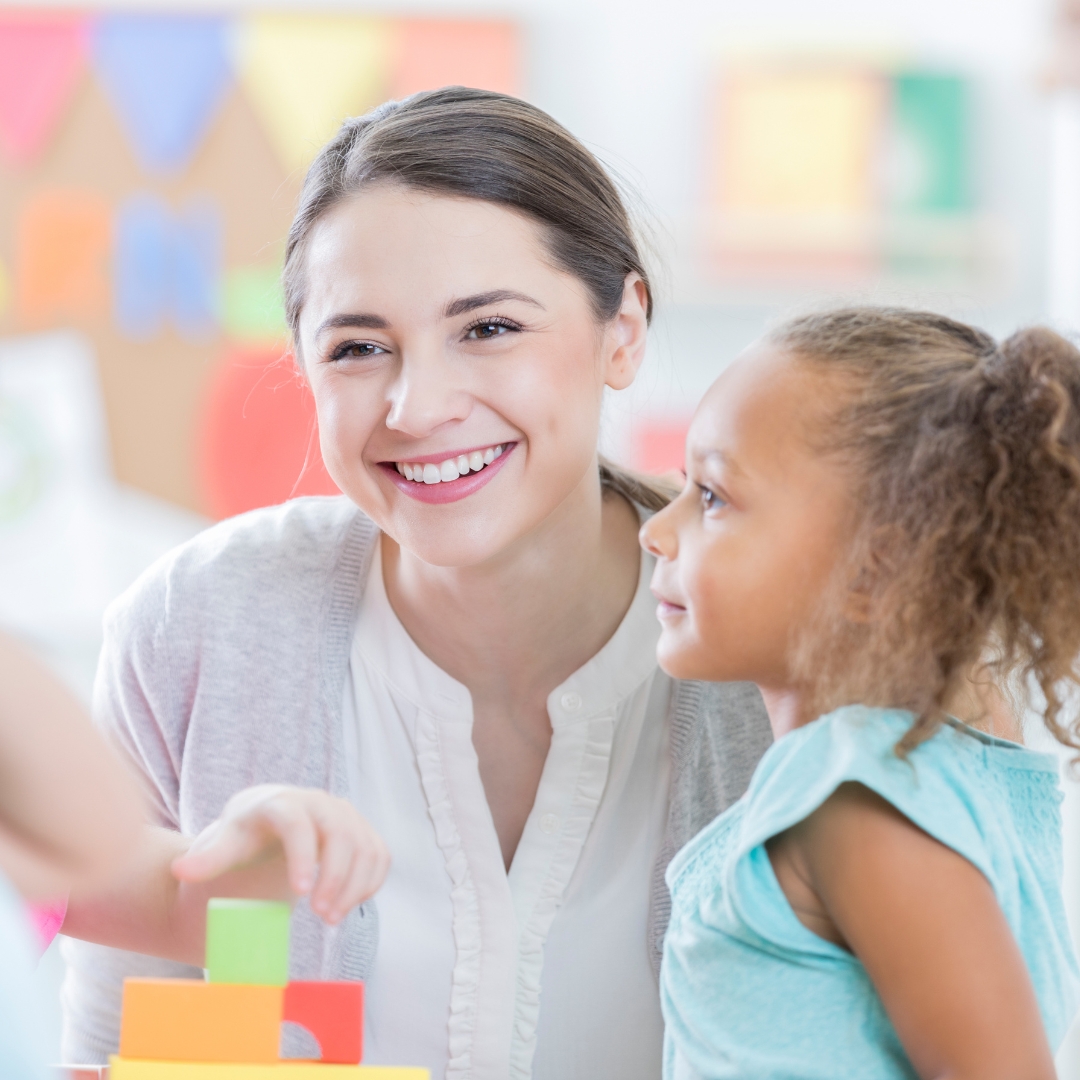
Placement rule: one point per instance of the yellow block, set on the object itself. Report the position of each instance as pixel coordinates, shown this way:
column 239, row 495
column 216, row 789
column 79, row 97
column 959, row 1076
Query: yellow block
column 304, row 74
column 123, row 1069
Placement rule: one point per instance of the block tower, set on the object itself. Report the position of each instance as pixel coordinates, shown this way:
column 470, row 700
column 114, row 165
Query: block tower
column 228, row 1026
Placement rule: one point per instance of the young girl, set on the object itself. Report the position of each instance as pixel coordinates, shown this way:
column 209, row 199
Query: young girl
column 878, row 502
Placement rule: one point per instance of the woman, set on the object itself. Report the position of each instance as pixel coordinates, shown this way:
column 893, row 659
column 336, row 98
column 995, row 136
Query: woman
column 457, row 656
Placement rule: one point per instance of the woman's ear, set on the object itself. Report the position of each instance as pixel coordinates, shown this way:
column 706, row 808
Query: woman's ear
column 624, row 338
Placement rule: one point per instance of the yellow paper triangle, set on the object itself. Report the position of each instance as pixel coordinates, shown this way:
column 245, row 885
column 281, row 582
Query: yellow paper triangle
column 304, row 74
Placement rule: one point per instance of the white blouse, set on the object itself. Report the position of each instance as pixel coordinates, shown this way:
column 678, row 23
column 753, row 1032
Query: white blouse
column 542, row 971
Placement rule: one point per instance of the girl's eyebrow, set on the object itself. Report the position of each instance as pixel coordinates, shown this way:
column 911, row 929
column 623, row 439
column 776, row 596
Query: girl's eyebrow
column 495, row 296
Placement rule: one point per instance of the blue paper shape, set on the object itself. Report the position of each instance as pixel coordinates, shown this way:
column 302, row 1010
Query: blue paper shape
column 165, row 266
column 166, row 76
column 141, row 267
column 196, row 269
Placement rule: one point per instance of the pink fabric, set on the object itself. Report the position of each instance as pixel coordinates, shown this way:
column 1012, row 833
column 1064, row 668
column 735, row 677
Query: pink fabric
column 47, row 920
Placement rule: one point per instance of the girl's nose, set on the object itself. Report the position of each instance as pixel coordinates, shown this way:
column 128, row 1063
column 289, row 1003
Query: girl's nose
column 657, row 536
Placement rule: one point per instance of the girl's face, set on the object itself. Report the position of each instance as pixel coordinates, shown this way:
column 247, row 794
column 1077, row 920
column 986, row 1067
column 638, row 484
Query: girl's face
column 441, row 344
column 745, row 552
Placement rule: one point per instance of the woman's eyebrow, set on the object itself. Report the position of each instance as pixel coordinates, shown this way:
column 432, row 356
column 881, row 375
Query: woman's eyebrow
column 356, row 320
column 470, row 303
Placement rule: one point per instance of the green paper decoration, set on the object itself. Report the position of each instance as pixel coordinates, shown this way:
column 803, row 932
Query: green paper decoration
column 254, row 305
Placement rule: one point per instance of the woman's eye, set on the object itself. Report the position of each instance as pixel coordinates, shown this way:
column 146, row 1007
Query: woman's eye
column 355, row 350
column 487, row 330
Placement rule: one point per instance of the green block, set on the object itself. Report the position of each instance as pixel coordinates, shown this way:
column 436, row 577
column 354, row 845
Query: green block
column 247, row 941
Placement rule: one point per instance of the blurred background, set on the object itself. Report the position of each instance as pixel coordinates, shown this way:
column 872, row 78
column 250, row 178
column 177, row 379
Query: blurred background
column 777, row 155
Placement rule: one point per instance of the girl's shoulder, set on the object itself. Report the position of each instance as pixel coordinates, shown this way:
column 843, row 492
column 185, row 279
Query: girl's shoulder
column 961, row 786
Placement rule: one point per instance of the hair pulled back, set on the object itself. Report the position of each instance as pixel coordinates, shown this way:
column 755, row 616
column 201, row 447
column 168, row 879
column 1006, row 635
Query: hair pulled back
column 478, row 144
column 966, row 551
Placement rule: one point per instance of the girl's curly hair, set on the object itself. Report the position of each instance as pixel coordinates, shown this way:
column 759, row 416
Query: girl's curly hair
column 965, row 455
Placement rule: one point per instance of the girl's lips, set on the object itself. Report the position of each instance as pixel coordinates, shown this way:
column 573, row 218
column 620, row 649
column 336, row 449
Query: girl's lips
column 448, row 490
column 667, row 610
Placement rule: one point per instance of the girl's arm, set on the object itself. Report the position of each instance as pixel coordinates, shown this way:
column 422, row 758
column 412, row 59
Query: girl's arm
column 927, row 927
column 271, row 842
column 69, row 812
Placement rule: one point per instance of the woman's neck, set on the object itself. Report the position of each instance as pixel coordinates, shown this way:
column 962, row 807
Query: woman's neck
column 513, row 629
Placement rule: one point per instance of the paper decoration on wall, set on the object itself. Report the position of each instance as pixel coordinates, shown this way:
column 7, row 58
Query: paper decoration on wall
column 41, row 59
column 305, row 73
column 167, row 266
column 453, row 52
column 930, row 153
column 166, row 76
column 5, row 289
column 660, row 445
column 259, row 441
column 62, row 245
column 254, row 309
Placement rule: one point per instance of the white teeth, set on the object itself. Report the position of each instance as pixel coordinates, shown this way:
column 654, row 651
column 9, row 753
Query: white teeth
column 451, row 468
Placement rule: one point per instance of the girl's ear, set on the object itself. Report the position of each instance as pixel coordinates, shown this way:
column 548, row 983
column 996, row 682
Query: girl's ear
column 871, row 574
column 624, row 339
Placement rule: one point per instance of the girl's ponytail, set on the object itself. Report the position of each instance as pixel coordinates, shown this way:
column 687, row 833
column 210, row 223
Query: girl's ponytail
column 966, row 550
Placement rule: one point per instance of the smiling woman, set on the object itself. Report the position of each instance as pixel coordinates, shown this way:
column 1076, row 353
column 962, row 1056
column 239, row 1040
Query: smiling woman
column 455, row 662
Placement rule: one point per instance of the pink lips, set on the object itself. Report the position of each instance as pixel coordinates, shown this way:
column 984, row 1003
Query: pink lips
column 448, row 490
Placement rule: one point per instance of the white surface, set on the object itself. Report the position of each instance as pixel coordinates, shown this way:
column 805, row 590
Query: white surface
column 568, row 922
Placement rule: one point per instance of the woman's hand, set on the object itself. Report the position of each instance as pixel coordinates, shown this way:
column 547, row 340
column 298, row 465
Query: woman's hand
column 329, row 851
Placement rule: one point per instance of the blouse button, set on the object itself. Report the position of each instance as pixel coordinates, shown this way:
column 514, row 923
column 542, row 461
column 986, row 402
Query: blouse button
column 549, row 823
column 570, row 701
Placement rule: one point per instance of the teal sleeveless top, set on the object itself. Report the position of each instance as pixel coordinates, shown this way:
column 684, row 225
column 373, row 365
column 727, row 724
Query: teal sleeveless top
column 748, row 992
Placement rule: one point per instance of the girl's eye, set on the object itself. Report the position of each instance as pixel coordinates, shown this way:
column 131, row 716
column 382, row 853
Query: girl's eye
column 490, row 328
column 710, row 500
column 355, row 350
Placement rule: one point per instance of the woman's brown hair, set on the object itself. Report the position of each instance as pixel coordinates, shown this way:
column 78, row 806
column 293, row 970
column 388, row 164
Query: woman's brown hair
column 965, row 457
column 481, row 145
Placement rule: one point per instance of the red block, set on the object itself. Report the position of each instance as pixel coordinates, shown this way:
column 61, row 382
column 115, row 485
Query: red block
column 334, row 1013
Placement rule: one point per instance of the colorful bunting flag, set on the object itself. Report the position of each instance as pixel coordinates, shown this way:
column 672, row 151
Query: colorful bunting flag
column 166, row 76
column 62, row 246
column 304, row 74
column 260, row 441
column 457, row 52
column 41, row 58
column 196, row 278
column 254, row 307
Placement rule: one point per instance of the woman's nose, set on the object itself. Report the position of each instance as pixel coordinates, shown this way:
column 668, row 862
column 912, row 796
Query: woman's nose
column 424, row 396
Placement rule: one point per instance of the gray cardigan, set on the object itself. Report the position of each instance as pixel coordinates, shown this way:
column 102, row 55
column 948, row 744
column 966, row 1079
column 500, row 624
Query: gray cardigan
column 224, row 666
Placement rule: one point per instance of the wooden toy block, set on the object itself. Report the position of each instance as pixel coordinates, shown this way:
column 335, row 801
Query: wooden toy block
column 190, row 1020
column 123, row 1069
column 334, row 1013
column 247, row 941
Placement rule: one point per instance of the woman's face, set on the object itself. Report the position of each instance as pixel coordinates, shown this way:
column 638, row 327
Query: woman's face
column 442, row 345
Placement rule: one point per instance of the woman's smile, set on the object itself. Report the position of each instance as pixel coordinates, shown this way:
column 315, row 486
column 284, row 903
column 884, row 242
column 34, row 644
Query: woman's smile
column 437, row 478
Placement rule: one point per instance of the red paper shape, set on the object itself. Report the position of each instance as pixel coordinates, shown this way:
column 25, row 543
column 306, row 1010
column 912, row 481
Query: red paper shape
column 660, row 446
column 334, row 1013
column 259, row 439
column 41, row 58
column 457, row 52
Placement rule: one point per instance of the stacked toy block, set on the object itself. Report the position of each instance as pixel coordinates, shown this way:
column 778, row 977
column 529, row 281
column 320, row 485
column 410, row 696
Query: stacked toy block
column 228, row 1027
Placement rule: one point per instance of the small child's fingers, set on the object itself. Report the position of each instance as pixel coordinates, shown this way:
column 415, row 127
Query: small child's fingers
column 366, row 876
column 290, row 821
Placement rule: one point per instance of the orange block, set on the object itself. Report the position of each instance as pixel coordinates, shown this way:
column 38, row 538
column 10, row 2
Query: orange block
column 456, row 52
column 191, row 1020
column 63, row 246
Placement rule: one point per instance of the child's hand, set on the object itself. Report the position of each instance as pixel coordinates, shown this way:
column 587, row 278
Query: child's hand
column 329, row 850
